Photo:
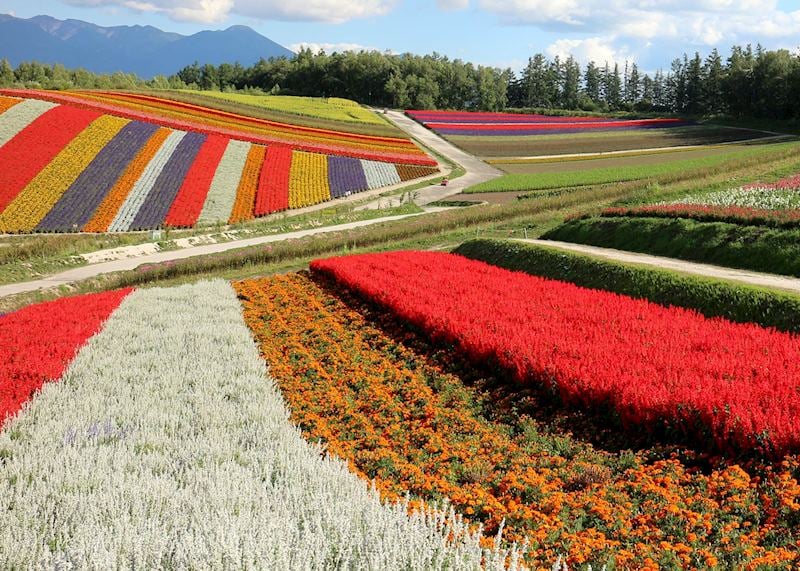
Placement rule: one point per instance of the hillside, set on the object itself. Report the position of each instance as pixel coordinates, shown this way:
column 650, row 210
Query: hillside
column 99, row 162
column 143, row 50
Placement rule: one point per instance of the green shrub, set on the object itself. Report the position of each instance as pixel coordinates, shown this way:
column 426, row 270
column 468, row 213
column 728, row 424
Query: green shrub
column 712, row 298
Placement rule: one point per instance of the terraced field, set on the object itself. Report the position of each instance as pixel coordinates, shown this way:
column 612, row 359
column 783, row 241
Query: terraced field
column 117, row 162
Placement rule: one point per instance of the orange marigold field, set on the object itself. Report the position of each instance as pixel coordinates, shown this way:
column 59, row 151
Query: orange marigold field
column 417, row 420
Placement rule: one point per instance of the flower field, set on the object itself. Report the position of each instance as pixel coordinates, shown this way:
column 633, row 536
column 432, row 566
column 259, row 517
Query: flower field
column 360, row 417
column 656, row 368
column 768, row 204
column 514, row 124
column 70, row 163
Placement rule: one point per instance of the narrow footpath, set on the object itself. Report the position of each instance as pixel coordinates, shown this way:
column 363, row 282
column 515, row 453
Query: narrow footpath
column 93, row 270
column 746, row 277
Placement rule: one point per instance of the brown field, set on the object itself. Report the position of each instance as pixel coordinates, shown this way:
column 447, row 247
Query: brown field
column 543, row 145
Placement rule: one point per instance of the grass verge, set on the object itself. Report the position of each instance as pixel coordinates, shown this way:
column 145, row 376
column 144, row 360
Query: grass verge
column 757, row 248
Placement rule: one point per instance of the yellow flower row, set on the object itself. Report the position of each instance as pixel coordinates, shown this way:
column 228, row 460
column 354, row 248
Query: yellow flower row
column 308, row 179
column 31, row 205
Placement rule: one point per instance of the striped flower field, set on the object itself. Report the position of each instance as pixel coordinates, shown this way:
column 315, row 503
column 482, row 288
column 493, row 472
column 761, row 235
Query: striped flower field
column 77, row 162
column 353, row 417
column 486, row 124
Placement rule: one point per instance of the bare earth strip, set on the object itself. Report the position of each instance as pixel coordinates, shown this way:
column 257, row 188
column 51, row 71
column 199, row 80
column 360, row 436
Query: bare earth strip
column 755, row 279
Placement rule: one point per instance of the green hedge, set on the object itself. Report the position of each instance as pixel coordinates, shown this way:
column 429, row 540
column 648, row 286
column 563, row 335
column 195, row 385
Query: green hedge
column 757, row 248
column 710, row 297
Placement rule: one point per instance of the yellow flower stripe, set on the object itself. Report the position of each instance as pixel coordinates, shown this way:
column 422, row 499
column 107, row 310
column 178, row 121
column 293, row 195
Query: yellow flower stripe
column 7, row 103
column 308, row 179
column 42, row 193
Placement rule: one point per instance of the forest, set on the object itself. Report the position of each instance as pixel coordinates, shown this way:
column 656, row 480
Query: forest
column 749, row 82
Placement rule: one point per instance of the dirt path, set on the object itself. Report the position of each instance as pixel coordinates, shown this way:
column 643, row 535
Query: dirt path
column 477, row 171
column 129, row 258
column 86, row 272
column 755, row 279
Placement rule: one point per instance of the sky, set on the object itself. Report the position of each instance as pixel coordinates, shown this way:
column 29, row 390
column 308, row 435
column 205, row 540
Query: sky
column 502, row 33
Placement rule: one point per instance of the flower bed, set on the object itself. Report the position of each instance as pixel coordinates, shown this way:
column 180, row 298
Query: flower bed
column 512, row 124
column 67, row 168
column 730, row 386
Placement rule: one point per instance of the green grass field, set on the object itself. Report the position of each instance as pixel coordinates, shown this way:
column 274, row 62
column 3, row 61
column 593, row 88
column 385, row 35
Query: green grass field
column 332, row 108
column 521, row 182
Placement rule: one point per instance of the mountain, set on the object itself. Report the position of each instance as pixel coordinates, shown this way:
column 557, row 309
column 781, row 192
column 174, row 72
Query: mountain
column 143, row 50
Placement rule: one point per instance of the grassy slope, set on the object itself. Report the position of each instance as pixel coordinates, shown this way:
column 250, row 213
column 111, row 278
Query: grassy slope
column 318, row 107
column 381, row 129
column 771, row 250
column 538, row 181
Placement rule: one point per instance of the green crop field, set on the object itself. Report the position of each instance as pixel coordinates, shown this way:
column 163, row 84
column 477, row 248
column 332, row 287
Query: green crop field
column 520, row 182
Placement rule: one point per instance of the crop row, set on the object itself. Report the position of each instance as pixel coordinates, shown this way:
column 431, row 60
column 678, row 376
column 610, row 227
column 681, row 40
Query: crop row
column 509, row 124
column 166, row 445
column 416, row 420
column 38, row 342
column 172, row 114
column 732, row 386
column 70, row 169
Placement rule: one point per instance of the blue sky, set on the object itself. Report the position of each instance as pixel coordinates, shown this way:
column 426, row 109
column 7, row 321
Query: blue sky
column 492, row 32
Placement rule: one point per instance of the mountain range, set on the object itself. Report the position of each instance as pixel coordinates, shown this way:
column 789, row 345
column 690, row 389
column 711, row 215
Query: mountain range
column 144, row 50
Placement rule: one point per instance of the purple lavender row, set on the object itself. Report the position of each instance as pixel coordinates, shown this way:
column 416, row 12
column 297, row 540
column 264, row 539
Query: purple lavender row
column 160, row 199
column 345, row 175
column 527, row 132
column 77, row 205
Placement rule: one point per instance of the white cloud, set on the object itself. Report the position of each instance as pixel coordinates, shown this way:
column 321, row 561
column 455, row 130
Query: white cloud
column 699, row 22
column 452, row 4
column 198, row 11
column 331, row 48
column 599, row 50
column 330, row 11
column 211, row 11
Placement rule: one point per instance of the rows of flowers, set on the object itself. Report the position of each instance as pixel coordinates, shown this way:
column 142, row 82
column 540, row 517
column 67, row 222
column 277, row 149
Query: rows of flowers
column 40, row 195
column 732, row 387
column 186, row 117
column 67, row 168
column 167, row 445
column 418, row 420
column 38, row 342
column 513, row 124
column 767, row 204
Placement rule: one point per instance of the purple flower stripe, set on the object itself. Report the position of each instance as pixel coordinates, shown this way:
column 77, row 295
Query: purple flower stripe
column 345, row 175
column 76, row 207
column 160, row 199
column 539, row 132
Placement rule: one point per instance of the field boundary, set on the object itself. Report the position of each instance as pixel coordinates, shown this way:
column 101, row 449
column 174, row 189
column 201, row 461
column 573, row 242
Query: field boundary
column 628, row 152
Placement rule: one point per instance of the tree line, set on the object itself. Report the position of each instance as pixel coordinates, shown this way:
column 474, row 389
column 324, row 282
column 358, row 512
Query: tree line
column 747, row 83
